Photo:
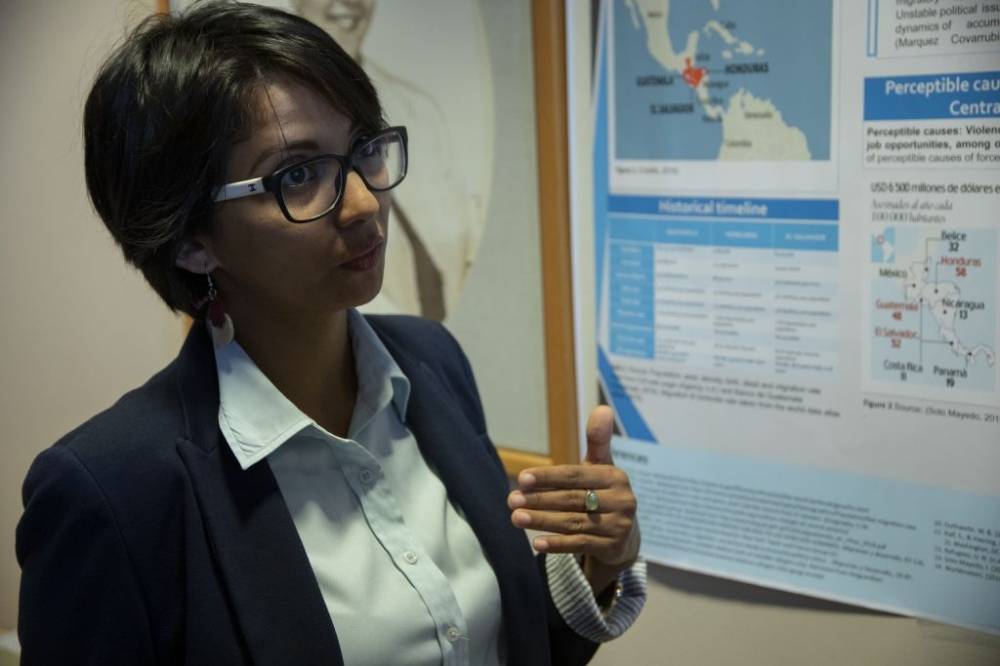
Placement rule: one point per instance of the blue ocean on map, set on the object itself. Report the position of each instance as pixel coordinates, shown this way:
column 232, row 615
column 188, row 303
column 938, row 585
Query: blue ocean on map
column 796, row 38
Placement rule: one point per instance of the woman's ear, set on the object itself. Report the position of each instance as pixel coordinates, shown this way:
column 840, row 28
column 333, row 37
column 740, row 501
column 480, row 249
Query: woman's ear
column 197, row 257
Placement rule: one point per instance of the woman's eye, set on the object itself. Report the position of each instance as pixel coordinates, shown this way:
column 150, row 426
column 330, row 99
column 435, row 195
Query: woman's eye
column 299, row 176
column 374, row 150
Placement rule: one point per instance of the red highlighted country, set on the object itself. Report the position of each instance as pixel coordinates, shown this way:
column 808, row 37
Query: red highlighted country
column 693, row 75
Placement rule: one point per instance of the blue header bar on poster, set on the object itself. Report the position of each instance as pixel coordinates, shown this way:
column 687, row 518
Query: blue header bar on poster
column 759, row 209
column 777, row 235
column 934, row 97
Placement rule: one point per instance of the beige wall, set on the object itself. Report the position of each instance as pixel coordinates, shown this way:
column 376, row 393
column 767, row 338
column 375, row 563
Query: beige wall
column 696, row 620
column 78, row 328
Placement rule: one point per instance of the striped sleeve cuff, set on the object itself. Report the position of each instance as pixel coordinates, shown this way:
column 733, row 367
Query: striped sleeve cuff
column 574, row 598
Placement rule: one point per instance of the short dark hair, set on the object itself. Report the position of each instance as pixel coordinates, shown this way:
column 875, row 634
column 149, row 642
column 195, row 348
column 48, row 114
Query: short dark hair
column 168, row 105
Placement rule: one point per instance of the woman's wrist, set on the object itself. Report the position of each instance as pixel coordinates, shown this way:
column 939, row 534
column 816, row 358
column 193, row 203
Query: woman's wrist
column 603, row 578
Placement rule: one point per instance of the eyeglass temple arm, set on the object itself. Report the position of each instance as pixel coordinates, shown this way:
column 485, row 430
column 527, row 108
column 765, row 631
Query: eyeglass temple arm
column 240, row 189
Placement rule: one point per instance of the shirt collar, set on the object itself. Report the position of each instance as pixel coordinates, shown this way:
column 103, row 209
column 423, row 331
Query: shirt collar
column 256, row 418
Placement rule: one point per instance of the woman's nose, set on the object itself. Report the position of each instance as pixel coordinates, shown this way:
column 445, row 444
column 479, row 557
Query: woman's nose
column 358, row 203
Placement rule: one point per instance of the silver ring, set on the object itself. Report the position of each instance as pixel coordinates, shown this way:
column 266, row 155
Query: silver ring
column 591, row 502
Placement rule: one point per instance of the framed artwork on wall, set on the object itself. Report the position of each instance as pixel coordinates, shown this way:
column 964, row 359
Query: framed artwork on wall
column 480, row 228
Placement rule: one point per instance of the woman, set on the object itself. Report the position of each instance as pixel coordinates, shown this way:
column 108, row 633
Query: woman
column 302, row 485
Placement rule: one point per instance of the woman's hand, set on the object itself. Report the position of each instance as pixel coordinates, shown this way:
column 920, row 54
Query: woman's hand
column 554, row 499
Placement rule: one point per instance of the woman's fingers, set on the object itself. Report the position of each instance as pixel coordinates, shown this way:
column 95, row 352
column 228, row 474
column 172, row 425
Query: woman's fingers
column 608, row 500
column 570, row 522
column 578, row 544
column 572, row 476
column 553, row 500
column 600, row 427
column 602, row 548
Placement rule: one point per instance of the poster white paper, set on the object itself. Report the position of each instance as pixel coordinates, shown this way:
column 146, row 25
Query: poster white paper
column 796, row 232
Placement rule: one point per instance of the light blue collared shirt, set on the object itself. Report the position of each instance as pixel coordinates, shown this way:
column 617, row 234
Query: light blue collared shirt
column 400, row 570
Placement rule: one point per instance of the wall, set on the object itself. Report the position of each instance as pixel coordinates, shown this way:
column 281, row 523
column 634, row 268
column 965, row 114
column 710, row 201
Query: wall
column 693, row 620
column 78, row 327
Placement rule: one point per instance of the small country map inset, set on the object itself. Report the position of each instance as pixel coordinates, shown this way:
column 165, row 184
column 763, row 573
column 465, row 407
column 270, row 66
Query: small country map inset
column 722, row 79
column 934, row 297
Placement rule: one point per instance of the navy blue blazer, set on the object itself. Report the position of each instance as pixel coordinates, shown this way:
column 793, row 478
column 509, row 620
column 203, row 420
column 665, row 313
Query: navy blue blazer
column 143, row 542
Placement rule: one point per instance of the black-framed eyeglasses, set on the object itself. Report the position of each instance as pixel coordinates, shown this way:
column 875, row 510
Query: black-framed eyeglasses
column 310, row 189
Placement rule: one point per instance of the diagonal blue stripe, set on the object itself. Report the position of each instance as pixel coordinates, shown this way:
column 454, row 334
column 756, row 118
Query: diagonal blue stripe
column 632, row 422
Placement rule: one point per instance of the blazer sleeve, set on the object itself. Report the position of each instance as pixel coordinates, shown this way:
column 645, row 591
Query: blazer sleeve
column 565, row 645
column 80, row 601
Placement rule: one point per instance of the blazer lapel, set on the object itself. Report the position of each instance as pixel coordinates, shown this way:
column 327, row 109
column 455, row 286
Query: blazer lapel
column 264, row 567
column 450, row 444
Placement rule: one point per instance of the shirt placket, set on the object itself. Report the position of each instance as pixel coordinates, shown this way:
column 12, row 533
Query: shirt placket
column 365, row 477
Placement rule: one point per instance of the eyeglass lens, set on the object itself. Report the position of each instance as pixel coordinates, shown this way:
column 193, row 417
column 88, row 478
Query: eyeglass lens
column 312, row 189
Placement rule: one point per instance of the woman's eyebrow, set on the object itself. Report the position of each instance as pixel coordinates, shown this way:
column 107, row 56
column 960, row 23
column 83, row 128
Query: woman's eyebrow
column 307, row 144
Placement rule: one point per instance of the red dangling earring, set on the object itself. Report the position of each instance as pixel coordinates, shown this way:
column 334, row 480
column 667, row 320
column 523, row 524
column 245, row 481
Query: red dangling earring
column 219, row 322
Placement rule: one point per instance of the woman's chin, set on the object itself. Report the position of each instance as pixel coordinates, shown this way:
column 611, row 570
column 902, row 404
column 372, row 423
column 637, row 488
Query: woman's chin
column 367, row 289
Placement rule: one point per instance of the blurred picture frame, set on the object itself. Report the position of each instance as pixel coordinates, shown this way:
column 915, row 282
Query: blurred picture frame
column 481, row 227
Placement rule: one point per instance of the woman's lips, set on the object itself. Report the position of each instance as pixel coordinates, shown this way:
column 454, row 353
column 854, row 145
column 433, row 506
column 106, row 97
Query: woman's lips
column 366, row 261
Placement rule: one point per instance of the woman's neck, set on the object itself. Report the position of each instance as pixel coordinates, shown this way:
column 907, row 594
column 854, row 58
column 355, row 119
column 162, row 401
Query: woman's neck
column 310, row 360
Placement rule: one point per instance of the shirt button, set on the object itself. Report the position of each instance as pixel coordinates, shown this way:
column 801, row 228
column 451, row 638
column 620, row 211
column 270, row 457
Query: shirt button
column 410, row 557
column 453, row 633
column 366, row 476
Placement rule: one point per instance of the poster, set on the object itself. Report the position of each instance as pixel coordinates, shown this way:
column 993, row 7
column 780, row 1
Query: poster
column 796, row 225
